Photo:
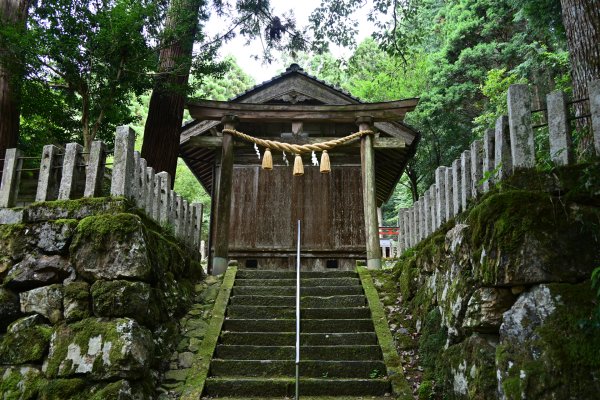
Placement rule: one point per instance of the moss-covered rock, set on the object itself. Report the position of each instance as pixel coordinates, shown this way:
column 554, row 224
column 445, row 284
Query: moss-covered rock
column 76, row 301
column 101, row 349
column 120, row 298
column 21, row 383
column 47, row 301
column 467, row 370
column 112, row 246
column 38, row 270
column 28, row 345
column 548, row 347
column 74, row 209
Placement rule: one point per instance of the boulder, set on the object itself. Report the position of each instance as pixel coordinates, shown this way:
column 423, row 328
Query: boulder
column 54, row 237
column 47, row 301
column 485, row 309
column 111, row 246
column 548, row 346
column 38, row 270
column 125, row 299
column 25, row 342
column 76, row 301
column 22, row 382
column 10, row 307
column 101, row 350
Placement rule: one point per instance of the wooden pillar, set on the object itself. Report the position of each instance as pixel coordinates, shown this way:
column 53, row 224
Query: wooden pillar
column 367, row 157
column 223, row 200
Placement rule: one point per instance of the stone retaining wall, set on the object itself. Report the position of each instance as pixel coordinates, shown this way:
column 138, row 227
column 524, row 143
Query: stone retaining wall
column 90, row 301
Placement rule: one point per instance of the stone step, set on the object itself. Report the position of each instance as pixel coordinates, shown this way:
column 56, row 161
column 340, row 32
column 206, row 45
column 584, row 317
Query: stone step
column 331, row 353
column 309, row 369
column 307, row 302
column 271, row 274
column 306, row 282
column 291, row 290
column 249, row 312
column 289, row 338
column 307, row 326
column 274, row 387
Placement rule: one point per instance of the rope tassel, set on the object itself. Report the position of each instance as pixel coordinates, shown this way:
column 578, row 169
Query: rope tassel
column 325, row 163
column 298, row 167
column 267, row 162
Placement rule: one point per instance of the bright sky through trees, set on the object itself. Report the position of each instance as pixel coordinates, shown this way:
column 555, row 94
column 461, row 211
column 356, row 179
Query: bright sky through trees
column 245, row 54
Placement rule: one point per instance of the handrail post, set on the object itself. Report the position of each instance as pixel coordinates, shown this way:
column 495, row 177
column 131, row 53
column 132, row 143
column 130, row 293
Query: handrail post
column 298, row 314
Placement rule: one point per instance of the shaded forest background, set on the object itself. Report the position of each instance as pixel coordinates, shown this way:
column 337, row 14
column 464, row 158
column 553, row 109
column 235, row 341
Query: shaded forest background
column 82, row 67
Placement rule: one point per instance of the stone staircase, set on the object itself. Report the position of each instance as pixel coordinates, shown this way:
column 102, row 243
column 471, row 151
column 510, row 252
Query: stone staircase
column 339, row 350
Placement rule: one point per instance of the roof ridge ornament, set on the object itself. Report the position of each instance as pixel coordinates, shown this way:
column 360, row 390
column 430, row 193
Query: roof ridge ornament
column 294, row 67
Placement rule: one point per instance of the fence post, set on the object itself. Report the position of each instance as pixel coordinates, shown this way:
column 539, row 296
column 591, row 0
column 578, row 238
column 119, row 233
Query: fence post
column 449, row 185
column 123, row 164
column 142, row 183
column 521, row 132
column 456, row 186
column 440, row 198
column 426, row 215
column 476, row 167
column 489, row 153
column 164, row 197
column 50, row 172
column 559, row 129
column 70, row 171
column 502, row 160
column 149, row 192
column 418, row 228
column 466, row 185
column 9, row 189
column 411, row 226
column 157, row 196
column 594, row 95
column 94, row 174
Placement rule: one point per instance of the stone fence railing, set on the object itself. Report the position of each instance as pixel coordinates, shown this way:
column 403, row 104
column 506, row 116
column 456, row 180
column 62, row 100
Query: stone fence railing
column 508, row 147
column 64, row 174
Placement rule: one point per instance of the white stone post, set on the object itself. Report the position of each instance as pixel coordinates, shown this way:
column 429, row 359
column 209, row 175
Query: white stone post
column 521, row 132
column 123, row 165
column 94, row 173
column 502, row 157
column 465, row 179
column 136, row 177
column 594, row 95
column 179, row 217
column 440, row 196
column 173, row 210
column 11, row 176
column 433, row 207
column 50, row 171
column 406, row 229
column 426, row 214
column 197, row 224
column 411, row 226
column 72, row 165
column 559, row 129
column 164, row 197
column 400, row 231
column 456, row 186
column 185, row 234
column 149, row 182
column 142, row 181
column 157, row 198
column 476, row 167
column 489, row 153
column 418, row 221
column 449, row 185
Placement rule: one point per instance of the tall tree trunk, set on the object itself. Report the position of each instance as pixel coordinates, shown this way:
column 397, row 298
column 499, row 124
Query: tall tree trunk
column 581, row 19
column 165, row 114
column 12, row 12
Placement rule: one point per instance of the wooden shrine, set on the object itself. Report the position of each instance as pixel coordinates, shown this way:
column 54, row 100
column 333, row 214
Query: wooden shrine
column 254, row 211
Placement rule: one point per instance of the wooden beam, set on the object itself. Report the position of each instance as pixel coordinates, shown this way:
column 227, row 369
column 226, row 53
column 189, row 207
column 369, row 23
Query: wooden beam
column 380, row 112
column 213, row 142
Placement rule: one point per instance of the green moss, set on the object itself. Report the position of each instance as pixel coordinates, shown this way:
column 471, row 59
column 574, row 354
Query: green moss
column 395, row 371
column 25, row 346
column 20, row 383
column 425, row 391
column 194, row 384
column 432, row 341
column 95, row 228
column 64, row 389
column 94, row 203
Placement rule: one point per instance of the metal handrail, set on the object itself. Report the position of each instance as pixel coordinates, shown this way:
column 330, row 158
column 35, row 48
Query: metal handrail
column 298, row 315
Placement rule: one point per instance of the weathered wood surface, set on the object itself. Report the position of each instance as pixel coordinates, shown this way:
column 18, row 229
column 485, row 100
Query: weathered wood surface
column 388, row 111
column 213, row 142
column 266, row 205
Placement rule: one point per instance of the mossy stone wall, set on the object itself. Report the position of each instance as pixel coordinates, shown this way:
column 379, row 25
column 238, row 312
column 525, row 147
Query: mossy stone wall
column 90, row 300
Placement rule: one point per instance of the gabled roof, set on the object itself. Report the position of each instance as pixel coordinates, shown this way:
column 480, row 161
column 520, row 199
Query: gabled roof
column 294, row 86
